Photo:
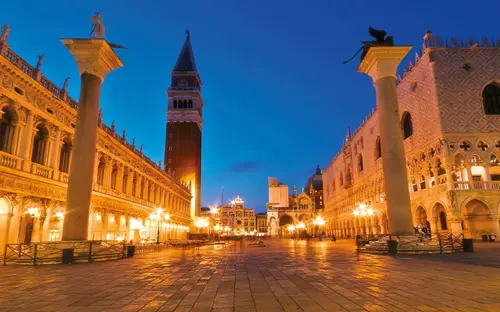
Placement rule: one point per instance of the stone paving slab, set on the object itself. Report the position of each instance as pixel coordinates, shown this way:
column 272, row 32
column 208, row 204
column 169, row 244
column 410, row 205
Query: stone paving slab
column 285, row 275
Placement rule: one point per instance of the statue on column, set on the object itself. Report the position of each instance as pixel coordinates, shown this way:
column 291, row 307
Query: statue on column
column 380, row 40
column 124, row 134
column 40, row 62
column 98, row 29
column 5, row 33
column 113, row 125
column 133, row 142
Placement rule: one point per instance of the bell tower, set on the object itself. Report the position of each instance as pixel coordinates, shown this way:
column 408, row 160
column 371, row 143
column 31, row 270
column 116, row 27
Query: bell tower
column 184, row 124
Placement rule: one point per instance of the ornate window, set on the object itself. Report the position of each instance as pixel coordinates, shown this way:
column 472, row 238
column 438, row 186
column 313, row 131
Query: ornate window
column 114, row 175
column 8, row 128
column 100, row 171
column 65, row 155
column 40, row 145
column 134, row 184
column 491, row 99
column 360, row 163
column 125, row 180
column 378, row 148
column 406, row 125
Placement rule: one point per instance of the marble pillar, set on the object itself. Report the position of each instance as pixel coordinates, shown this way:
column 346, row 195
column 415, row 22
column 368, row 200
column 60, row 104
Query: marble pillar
column 381, row 63
column 95, row 58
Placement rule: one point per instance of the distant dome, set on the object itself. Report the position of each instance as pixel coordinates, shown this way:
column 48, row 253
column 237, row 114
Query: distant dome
column 315, row 180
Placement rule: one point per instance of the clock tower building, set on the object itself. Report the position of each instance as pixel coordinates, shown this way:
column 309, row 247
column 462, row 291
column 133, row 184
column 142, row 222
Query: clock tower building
column 184, row 124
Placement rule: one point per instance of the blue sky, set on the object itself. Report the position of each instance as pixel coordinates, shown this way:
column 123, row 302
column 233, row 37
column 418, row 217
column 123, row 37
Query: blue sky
column 277, row 97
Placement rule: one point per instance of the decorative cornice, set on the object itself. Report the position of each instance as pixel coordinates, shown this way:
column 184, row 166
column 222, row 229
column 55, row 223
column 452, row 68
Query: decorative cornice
column 93, row 56
column 185, row 116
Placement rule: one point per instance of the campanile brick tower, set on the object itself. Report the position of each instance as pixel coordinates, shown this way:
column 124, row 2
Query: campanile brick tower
column 184, row 124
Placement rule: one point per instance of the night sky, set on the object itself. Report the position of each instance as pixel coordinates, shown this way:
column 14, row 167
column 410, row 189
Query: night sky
column 277, row 97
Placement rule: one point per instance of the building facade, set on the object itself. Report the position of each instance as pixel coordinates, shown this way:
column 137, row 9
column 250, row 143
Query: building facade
column 37, row 121
column 297, row 208
column 261, row 223
column 449, row 101
column 184, row 124
column 237, row 217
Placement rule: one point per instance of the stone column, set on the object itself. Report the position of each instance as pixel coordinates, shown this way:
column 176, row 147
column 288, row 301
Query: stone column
column 27, row 142
column 95, row 58
column 469, row 176
column 380, row 63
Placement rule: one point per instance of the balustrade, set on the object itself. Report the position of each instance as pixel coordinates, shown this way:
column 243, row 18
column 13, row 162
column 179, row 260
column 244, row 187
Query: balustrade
column 9, row 161
column 41, row 170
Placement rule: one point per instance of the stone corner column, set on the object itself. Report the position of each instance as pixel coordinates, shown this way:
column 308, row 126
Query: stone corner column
column 381, row 63
column 95, row 58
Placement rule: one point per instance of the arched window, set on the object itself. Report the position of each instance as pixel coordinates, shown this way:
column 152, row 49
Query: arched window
column 175, row 103
column 125, row 180
column 422, row 183
column 142, row 189
column 442, row 220
column 134, row 184
column 40, row 145
column 114, row 175
column 185, row 104
column 65, row 155
column 378, row 148
column 360, row 163
column 190, row 104
column 406, row 125
column 150, row 189
column 8, row 128
column 100, row 171
column 341, row 179
column 491, row 99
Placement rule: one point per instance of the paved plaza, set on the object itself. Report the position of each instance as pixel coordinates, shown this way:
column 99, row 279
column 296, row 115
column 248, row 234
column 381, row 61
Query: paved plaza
column 283, row 276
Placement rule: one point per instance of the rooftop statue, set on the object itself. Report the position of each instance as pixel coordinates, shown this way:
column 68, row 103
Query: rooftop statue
column 380, row 40
column 40, row 61
column 98, row 29
column 5, row 33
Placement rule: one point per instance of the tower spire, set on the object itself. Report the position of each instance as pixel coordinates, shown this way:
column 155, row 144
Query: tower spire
column 185, row 61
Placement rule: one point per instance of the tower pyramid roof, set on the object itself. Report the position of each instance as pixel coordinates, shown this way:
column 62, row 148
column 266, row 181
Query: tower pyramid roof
column 185, row 61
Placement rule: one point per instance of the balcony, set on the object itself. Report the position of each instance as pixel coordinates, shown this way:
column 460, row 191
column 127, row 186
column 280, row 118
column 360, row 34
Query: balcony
column 10, row 161
column 41, row 170
column 477, row 185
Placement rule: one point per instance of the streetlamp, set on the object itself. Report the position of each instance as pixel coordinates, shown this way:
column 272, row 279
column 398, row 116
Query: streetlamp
column 362, row 211
column 158, row 216
column 319, row 221
column 291, row 228
column 300, row 226
column 217, row 229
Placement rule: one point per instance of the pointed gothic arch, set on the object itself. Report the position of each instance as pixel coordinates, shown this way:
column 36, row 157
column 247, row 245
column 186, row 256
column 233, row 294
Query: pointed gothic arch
column 406, row 125
column 491, row 98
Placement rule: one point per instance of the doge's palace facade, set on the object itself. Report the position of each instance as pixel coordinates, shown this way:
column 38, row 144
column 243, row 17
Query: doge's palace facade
column 449, row 102
column 37, row 121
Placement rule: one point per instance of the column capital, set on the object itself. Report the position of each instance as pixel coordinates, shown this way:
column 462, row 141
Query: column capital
column 93, row 56
column 382, row 61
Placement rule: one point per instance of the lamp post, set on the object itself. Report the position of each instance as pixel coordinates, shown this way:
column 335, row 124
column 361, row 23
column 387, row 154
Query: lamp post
column 300, row 227
column 291, row 228
column 158, row 216
column 319, row 221
column 362, row 211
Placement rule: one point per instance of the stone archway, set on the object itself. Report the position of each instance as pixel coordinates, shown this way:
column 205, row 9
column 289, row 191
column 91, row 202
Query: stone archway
column 421, row 219
column 285, row 220
column 440, row 217
column 479, row 219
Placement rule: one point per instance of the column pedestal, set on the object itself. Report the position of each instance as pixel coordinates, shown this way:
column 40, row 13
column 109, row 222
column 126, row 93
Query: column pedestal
column 380, row 63
column 95, row 58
